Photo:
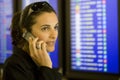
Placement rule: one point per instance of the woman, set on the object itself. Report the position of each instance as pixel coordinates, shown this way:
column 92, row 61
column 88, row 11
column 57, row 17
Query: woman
column 34, row 32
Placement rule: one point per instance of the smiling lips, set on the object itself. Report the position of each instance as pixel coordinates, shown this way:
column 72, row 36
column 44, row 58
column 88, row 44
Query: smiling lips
column 50, row 43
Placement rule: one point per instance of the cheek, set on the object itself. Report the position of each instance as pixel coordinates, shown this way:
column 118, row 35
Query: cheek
column 40, row 35
column 43, row 37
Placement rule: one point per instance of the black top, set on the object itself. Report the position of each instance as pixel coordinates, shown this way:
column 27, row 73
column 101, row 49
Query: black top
column 20, row 66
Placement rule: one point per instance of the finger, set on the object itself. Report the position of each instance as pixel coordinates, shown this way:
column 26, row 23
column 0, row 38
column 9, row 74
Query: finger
column 30, row 43
column 32, row 47
column 34, row 43
column 38, row 45
column 44, row 47
column 30, row 40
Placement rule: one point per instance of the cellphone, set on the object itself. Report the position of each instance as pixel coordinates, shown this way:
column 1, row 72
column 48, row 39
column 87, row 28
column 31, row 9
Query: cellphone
column 26, row 35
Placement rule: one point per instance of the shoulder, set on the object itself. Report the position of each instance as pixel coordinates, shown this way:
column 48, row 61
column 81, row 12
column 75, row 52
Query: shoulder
column 19, row 58
column 14, row 61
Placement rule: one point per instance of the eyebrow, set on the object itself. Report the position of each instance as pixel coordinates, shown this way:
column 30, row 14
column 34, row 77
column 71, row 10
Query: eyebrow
column 44, row 25
column 48, row 25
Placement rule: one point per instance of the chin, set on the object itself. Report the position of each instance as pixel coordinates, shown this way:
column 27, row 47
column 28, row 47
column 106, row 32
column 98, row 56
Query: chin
column 51, row 49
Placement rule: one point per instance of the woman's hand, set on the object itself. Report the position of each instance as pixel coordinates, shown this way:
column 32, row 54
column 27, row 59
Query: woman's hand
column 39, row 56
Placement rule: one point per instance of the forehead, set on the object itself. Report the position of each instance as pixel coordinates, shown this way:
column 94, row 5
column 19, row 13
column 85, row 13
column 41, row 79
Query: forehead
column 47, row 18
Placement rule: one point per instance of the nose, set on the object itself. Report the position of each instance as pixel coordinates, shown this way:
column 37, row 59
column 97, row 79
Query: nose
column 53, row 34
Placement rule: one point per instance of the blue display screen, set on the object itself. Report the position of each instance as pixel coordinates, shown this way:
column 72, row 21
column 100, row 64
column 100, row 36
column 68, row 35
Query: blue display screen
column 54, row 55
column 6, row 13
column 94, row 36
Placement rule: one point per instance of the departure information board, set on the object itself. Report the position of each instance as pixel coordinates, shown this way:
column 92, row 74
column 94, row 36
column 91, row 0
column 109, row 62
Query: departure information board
column 6, row 12
column 94, row 35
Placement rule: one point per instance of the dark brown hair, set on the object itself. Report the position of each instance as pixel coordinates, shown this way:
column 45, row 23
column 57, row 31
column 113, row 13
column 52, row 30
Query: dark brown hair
column 25, row 19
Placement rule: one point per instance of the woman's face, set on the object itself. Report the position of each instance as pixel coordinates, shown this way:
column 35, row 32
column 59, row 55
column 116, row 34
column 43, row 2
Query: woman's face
column 46, row 29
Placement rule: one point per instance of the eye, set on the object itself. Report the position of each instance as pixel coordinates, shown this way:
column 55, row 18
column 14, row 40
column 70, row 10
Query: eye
column 45, row 28
column 56, row 27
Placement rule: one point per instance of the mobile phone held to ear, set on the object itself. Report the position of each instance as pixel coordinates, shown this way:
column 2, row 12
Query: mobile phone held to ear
column 26, row 35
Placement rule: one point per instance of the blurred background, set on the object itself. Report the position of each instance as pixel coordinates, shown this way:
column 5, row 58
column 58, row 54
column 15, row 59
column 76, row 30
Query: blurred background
column 87, row 47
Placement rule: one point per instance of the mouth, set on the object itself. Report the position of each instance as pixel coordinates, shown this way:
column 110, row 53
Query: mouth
column 50, row 43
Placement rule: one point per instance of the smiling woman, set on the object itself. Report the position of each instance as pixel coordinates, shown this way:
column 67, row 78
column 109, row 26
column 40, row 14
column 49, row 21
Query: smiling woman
column 35, row 26
column 45, row 29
